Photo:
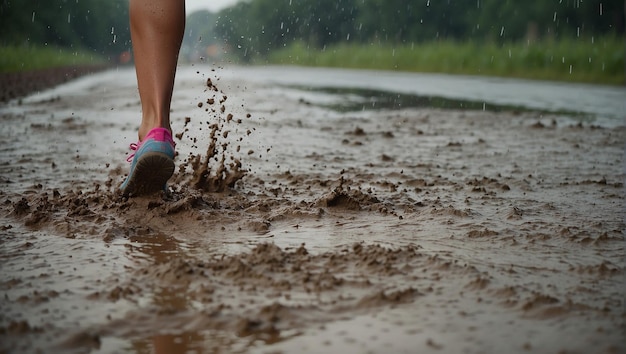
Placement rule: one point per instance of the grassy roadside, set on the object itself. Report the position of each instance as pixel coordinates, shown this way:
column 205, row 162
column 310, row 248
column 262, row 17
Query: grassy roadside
column 28, row 58
column 600, row 61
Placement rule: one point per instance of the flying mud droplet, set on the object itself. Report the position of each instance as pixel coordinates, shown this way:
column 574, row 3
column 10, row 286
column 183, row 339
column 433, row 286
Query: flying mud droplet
column 220, row 167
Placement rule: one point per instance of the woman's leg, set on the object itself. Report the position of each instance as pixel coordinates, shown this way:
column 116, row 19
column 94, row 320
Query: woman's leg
column 157, row 28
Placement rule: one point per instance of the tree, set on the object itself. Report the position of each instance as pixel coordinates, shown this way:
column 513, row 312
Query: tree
column 257, row 27
column 98, row 25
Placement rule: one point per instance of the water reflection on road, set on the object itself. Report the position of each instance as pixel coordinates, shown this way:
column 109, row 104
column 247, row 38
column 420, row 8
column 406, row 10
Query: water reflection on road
column 606, row 102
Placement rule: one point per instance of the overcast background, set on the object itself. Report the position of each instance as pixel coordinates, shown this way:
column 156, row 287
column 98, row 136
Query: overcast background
column 211, row 5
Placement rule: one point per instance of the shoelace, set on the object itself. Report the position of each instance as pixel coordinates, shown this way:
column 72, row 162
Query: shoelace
column 134, row 147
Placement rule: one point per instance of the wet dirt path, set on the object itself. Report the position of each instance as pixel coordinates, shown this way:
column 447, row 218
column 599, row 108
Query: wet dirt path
column 309, row 229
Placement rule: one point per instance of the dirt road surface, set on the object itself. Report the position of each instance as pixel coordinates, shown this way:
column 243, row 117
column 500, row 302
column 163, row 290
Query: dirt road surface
column 296, row 224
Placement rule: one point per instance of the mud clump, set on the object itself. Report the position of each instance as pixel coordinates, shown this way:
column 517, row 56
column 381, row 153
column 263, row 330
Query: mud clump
column 82, row 339
column 392, row 297
column 20, row 327
column 265, row 324
column 342, row 200
column 21, row 207
column 343, row 197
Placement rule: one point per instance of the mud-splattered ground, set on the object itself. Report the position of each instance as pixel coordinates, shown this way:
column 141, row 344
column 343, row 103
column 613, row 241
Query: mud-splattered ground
column 293, row 227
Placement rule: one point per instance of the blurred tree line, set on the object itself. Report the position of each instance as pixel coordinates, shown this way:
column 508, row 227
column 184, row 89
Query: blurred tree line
column 97, row 25
column 259, row 26
column 199, row 34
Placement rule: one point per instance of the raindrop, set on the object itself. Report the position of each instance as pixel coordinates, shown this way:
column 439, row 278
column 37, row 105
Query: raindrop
column 589, row 60
column 393, row 52
column 600, row 9
column 577, row 31
column 112, row 30
column 478, row 4
column 502, row 31
column 554, row 17
column 68, row 18
column 282, row 24
column 509, row 53
column 563, row 60
column 114, row 38
column 33, row 18
column 348, row 37
column 570, row 69
column 428, row 3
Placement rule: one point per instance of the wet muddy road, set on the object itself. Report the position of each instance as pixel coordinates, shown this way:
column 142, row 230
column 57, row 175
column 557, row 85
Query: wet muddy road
column 298, row 221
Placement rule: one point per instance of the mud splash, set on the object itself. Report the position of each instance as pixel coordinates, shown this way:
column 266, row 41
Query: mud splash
column 211, row 172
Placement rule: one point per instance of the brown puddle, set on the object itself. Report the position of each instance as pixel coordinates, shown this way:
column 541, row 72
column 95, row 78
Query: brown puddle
column 292, row 227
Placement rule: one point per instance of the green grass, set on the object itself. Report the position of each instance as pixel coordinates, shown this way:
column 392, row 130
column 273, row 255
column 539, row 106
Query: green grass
column 574, row 60
column 26, row 58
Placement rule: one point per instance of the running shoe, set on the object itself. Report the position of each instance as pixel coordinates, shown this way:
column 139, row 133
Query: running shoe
column 152, row 164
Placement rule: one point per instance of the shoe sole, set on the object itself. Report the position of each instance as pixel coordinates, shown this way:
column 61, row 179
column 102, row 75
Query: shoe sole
column 151, row 173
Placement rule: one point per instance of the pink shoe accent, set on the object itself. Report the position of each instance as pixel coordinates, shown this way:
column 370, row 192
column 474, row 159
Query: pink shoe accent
column 134, row 147
column 160, row 134
column 157, row 134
